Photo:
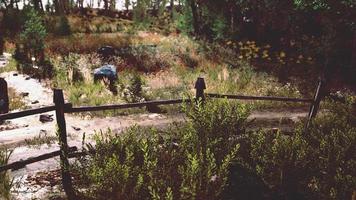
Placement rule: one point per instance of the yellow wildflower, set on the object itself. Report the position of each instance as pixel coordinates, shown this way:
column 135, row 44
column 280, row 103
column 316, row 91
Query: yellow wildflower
column 282, row 54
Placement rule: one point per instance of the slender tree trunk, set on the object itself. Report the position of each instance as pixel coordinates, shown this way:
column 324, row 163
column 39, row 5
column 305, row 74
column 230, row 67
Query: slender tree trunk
column 127, row 5
column 106, row 5
column 112, row 5
column 172, row 9
column 58, row 7
column 194, row 8
column 2, row 37
column 353, row 59
column 232, row 19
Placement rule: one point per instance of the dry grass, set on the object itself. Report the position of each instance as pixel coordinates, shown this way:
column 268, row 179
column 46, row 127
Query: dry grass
column 98, row 24
column 16, row 102
column 89, row 43
column 169, row 71
column 85, row 43
column 163, row 79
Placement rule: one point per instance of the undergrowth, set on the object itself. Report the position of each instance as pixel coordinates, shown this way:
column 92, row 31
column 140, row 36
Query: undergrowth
column 6, row 182
column 315, row 164
column 211, row 156
column 187, row 161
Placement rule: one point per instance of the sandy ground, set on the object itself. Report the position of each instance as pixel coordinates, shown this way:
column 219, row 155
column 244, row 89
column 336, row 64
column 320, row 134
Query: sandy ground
column 29, row 127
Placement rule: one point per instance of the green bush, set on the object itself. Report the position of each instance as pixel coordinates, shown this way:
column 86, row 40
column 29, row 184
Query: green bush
column 219, row 28
column 183, row 161
column 317, row 164
column 5, row 180
column 33, row 35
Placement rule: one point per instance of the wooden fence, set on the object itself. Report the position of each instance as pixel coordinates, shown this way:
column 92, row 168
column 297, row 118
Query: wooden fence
column 60, row 107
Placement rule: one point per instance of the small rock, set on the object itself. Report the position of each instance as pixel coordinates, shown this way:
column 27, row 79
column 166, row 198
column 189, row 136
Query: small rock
column 154, row 116
column 275, row 130
column 15, row 74
column 35, row 102
column 24, row 94
column 27, row 78
column 43, row 132
column 46, row 118
column 76, row 128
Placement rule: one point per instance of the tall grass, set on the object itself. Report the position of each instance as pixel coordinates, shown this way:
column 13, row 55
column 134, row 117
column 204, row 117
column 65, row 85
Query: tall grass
column 5, row 181
column 11, row 66
column 85, row 43
column 16, row 101
column 168, row 71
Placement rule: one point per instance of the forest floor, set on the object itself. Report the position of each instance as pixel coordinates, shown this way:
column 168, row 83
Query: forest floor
column 24, row 135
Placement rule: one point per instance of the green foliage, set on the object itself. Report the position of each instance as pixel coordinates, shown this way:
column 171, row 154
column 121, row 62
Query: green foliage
column 39, row 140
column 317, row 164
column 132, row 91
column 145, row 163
column 184, row 21
column 16, row 101
column 5, row 181
column 140, row 12
column 219, row 28
column 33, row 34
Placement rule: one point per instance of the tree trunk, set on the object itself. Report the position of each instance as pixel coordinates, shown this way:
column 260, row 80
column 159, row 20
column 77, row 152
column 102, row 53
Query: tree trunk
column 58, row 7
column 353, row 58
column 2, row 34
column 172, row 9
column 106, row 4
column 232, row 19
column 112, row 5
column 194, row 8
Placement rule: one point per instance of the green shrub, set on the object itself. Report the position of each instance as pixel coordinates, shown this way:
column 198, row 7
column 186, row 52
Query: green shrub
column 219, row 28
column 5, row 181
column 33, row 35
column 317, row 164
column 183, row 161
column 132, row 88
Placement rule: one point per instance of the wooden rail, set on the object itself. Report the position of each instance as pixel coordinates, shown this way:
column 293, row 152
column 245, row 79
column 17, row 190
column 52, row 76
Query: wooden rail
column 61, row 108
column 26, row 113
column 22, row 163
column 125, row 106
column 260, row 98
column 30, row 112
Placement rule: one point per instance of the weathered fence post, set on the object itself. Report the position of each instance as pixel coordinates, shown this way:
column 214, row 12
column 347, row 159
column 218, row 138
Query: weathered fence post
column 4, row 97
column 316, row 103
column 62, row 135
column 200, row 87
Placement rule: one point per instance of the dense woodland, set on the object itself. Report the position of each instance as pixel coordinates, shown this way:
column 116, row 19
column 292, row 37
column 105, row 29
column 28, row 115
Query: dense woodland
column 249, row 47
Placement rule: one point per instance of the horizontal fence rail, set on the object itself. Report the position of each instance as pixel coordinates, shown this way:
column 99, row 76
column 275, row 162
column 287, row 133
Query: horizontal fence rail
column 22, row 163
column 30, row 112
column 261, row 98
column 26, row 113
column 124, row 106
